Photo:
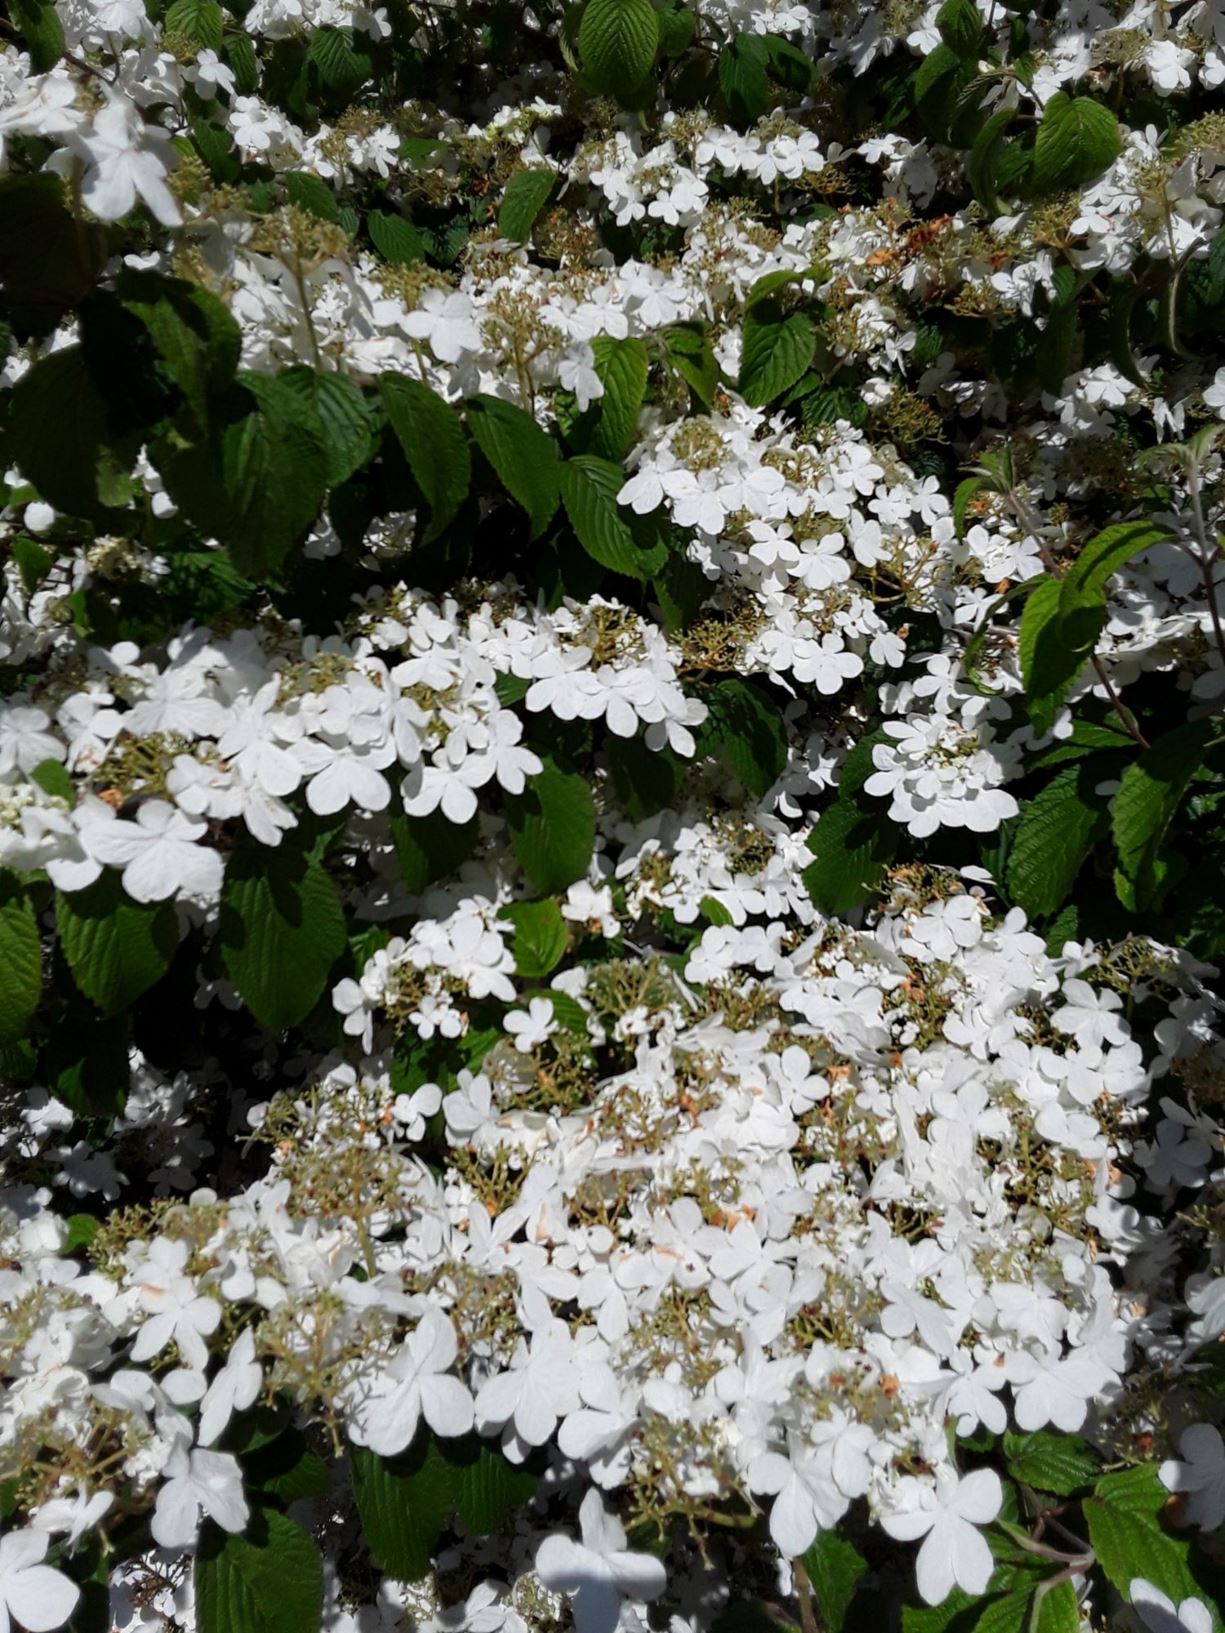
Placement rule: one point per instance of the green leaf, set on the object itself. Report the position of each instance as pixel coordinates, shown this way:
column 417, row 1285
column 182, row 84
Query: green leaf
column 1130, row 1545
column 851, row 850
column 608, row 533
column 834, row 1568
column 552, row 827
column 198, row 343
column 434, row 444
column 1077, row 139
column 257, row 481
column 983, row 160
column 617, row 41
column 1008, row 1613
column 540, row 937
column 40, row 27
column 692, row 356
column 49, row 260
column 961, row 28
column 645, row 780
column 350, row 421
column 52, row 777
column 82, row 1228
column 524, row 458
column 312, row 194
column 1051, row 1462
column 748, row 731
column 281, row 931
column 743, row 78
column 395, row 239
column 488, row 1488
column 1053, row 352
column 61, row 436
column 1058, row 1609
column 1048, row 665
column 269, row 1579
column 1055, row 833
column 430, row 847
column 526, row 194
column 116, row 948
column 622, row 368
column 21, row 965
column 677, row 26
column 340, row 66
column 199, row 20
column 1082, row 594
column 286, row 1468
column 404, row 1503
column 1149, row 794
column 775, row 352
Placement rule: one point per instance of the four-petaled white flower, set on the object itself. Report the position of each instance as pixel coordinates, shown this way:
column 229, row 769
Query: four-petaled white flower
column 198, row 1482
column 416, row 1383
column 36, row 1595
column 598, row 1573
column 948, row 1513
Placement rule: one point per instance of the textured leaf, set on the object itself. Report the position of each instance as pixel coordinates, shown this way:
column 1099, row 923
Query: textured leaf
column 268, row 1580
column 743, row 78
column 851, row 850
column 116, row 948
column 1051, row 1462
column 489, row 1488
column 1048, row 664
column 349, row 419
column 430, row 847
column 199, row 20
column 747, row 730
column 1130, row 1545
column 776, row 351
column 622, row 368
column 1077, row 139
column 1082, row 594
column 552, row 827
column 198, row 342
column 21, row 971
column 960, row 27
column 691, row 355
column 609, row 533
column 434, row 444
column 395, row 239
column 42, row 31
column 281, row 931
column 526, row 194
column 1055, row 833
column 617, row 40
column 1058, row 1609
column 540, row 937
column 834, row 1568
column 257, row 481
column 1149, row 794
column 524, row 457
column 983, row 161
column 404, row 1503
column 62, row 438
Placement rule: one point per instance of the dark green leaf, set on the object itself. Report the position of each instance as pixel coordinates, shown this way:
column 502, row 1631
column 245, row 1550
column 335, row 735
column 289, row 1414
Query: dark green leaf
column 540, row 937
column 116, row 948
column 1149, row 794
column 524, row 457
column 526, row 194
column 434, row 444
column 268, row 1580
column 1077, row 139
column 281, row 931
column 552, row 827
column 21, row 969
column 610, row 533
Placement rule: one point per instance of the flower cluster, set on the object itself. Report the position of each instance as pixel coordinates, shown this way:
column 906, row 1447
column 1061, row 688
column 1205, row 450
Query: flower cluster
column 610, row 810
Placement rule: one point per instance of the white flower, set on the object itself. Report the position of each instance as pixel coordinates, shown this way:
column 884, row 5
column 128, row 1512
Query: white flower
column 158, row 853
column 234, row 1389
column 598, row 1573
column 198, row 1482
column 36, row 1595
column 125, row 160
column 947, row 1514
column 417, row 1383
column 1201, row 1474
column 531, row 1026
column 1161, row 1615
column 541, row 1388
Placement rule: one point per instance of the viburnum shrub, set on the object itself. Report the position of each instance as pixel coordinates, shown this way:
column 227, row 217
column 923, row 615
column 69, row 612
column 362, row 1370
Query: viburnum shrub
column 611, row 816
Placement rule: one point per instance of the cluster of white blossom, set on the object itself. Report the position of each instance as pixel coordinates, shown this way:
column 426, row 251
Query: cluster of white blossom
column 730, row 1208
